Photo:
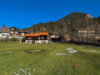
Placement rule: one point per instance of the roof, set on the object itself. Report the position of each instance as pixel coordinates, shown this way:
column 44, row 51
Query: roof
column 37, row 34
column 22, row 31
column 4, row 29
column 14, row 29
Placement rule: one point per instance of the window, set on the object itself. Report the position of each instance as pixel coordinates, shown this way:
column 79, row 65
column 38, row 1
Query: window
column 3, row 34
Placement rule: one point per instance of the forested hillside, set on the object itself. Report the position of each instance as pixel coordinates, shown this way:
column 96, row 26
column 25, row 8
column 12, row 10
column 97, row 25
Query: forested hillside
column 68, row 25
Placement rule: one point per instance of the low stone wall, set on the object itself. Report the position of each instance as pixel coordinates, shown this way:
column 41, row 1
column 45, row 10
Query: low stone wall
column 28, row 41
column 37, row 41
column 41, row 41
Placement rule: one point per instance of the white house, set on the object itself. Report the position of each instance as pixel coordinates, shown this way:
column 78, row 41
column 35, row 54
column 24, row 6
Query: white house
column 4, row 33
column 16, row 33
column 9, row 33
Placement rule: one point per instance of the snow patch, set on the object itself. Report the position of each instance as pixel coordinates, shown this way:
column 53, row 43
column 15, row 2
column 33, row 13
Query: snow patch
column 61, row 54
column 71, row 50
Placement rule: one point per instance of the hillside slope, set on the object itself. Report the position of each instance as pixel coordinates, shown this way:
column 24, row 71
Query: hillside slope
column 66, row 25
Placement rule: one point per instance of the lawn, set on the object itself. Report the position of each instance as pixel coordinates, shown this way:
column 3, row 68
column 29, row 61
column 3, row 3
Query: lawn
column 48, row 59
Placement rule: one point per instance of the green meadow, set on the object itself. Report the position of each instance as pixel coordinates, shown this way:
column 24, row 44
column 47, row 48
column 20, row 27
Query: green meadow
column 48, row 59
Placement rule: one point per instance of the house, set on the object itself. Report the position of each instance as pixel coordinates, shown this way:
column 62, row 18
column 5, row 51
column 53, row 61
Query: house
column 67, row 38
column 55, row 37
column 37, row 38
column 97, row 38
column 16, row 33
column 9, row 33
column 86, row 35
column 4, row 33
column 21, row 33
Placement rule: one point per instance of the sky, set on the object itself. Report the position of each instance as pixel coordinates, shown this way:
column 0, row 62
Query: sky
column 25, row 13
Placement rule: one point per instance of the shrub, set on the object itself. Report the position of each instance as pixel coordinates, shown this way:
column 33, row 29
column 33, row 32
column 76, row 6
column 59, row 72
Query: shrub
column 13, row 39
column 23, row 39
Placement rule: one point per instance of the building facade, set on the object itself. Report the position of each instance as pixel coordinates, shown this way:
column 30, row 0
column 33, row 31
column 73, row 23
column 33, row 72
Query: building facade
column 4, row 33
column 37, row 38
column 86, row 35
column 9, row 33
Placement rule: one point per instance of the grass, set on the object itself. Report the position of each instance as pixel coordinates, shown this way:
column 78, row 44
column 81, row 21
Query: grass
column 15, row 60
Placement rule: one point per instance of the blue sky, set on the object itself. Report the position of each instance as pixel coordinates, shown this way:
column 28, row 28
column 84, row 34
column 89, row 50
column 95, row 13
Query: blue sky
column 25, row 13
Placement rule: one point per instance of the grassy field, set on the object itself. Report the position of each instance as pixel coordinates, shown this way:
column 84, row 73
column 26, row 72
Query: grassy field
column 48, row 59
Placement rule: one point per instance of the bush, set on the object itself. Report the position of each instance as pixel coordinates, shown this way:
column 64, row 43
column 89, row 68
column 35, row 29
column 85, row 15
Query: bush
column 23, row 39
column 13, row 39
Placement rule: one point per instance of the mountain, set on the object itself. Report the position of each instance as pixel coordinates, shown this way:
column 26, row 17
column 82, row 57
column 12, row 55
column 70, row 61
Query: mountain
column 67, row 25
